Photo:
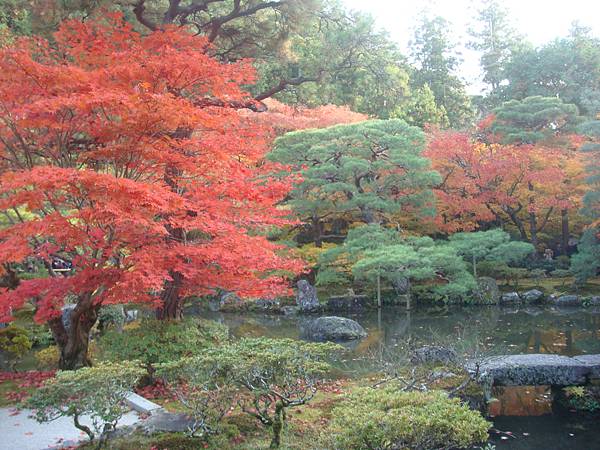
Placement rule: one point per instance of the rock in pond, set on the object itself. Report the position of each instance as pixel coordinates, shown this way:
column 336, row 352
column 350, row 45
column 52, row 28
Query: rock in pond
column 401, row 285
column 534, row 295
column 510, row 297
column 334, row 328
column 532, row 370
column 566, row 300
column 306, row 298
column 433, row 354
column 487, row 291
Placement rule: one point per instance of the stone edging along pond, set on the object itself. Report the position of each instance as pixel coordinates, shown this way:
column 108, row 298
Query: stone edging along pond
column 355, row 303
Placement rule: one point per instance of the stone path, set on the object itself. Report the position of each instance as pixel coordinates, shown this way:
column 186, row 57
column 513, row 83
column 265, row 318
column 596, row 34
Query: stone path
column 19, row 432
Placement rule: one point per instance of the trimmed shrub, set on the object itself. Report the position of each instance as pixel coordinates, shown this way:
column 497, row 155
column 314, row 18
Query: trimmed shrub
column 387, row 418
column 97, row 392
column 155, row 341
column 269, row 376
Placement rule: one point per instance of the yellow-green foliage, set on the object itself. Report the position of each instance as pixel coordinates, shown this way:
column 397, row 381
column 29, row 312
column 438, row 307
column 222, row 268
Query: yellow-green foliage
column 15, row 341
column 47, row 358
column 387, row 418
column 311, row 253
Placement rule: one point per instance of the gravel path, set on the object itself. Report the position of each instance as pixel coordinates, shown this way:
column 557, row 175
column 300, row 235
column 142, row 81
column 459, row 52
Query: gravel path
column 19, row 432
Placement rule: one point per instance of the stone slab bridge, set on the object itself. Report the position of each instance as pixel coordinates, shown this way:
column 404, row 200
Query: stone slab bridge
column 536, row 370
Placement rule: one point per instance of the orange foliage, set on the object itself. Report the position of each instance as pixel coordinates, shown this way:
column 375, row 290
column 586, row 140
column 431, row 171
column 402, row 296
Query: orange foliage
column 284, row 118
column 518, row 184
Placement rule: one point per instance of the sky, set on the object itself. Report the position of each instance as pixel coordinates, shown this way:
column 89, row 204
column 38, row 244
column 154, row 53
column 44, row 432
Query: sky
column 539, row 20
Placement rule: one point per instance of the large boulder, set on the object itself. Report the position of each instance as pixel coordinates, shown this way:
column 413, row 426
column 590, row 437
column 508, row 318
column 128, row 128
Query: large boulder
column 306, row 298
column 401, row 285
column 433, row 354
column 225, row 300
column 333, row 328
column 566, row 300
column 487, row 291
column 532, row 370
column 509, row 298
column 532, row 296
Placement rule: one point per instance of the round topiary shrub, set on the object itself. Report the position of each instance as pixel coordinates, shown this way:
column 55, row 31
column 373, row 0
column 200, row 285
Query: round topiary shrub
column 387, row 418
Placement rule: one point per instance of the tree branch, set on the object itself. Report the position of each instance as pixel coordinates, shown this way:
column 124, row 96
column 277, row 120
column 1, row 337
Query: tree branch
column 138, row 9
column 285, row 83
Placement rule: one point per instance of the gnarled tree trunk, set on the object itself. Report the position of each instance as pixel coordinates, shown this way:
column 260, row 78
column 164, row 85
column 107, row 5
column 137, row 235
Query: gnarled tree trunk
column 73, row 341
column 172, row 303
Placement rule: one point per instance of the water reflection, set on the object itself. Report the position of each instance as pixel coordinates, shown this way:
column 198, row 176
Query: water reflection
column 571, row 331
column 520, row 401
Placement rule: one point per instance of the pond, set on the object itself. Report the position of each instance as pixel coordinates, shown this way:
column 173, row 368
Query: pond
column 526, row 418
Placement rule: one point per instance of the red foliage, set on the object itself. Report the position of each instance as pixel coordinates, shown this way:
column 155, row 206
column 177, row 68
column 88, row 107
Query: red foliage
column 157, row 390
column 126, row 155
column 25, row 380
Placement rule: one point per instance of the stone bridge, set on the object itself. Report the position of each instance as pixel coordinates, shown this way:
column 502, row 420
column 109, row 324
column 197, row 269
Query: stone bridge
column 536, row 370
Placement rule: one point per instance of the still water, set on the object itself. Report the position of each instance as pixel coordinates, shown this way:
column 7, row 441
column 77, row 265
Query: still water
column 526, row 420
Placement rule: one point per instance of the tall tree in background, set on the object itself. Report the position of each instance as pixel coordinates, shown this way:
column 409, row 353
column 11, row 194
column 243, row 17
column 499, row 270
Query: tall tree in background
column 126, row 155
column 534, row 120
column 493, row 36
column 363, row 171
column 306, row 51
column 586, row 263
column 567, row 68
column 436, row 61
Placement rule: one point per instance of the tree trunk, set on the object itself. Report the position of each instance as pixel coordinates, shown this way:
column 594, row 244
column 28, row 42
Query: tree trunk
column 74, row 342
column 9, row 280
column 277, row 425
column 318, row 232
column 564, row 215
column 172, row 304
column 533, row 230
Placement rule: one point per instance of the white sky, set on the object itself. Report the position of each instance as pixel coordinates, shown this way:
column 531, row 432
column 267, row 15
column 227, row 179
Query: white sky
column 539, row 20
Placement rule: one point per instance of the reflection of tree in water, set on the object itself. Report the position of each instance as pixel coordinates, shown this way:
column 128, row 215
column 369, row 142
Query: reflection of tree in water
column 521, row 401
column 575, row 336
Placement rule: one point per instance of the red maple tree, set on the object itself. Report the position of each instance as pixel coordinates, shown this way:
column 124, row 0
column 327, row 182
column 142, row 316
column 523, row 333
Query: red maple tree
column 127, row 155
column 525, row 186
